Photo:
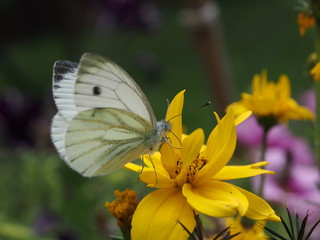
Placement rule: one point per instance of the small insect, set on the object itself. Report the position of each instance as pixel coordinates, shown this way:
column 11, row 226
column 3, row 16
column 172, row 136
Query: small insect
column 104, row 120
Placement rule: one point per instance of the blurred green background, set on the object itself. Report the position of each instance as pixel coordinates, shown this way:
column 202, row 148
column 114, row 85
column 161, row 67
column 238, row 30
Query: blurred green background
column 41, row 198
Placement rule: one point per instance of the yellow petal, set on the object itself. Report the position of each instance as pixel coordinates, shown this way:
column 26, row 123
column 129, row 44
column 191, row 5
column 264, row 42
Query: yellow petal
column 238, row 108
column 154, row 174
column 226, row 143
column 156, row 179
column 154, row 163
column 189, row 152
column 191, row 147
column 169, row 159
column 220, row 147
column 284, row 85
column 152, row 160
column 175, row 118
column 133, row 167
column 216, row 199
column 259, row 209
column 242, row 117
column 315, row 72
column 236, row 172
column 271, row 99
column 159, row 214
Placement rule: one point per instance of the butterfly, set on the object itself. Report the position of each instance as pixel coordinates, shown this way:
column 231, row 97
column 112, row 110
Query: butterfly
column 104, row 120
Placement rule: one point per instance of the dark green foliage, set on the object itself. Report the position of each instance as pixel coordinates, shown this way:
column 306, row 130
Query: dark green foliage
column 295, row 229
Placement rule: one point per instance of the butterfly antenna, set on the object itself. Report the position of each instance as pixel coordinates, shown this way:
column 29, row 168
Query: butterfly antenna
column 142, row 168
column 190, row 110
column 168, row 102
column 166, row 140
column 199, row 107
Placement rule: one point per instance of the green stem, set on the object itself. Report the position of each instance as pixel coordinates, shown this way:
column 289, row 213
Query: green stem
column 125, row 228
column 262, row 158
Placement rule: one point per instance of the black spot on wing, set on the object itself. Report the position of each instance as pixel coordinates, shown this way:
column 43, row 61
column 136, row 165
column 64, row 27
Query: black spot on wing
column 63, row 67
column 56, row 86
column 58, row 77
column 96, row 90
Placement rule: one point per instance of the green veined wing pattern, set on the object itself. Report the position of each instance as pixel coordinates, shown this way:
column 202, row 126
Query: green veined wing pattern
column 99, row 141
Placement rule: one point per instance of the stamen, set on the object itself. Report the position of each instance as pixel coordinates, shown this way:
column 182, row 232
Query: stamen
column 192, row 169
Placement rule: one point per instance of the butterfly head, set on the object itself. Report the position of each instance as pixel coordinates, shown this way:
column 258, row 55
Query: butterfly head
column 158, row 135
column 163, row 127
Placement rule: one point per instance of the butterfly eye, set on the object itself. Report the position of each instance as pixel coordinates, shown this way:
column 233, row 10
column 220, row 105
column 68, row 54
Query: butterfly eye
column 96, row 90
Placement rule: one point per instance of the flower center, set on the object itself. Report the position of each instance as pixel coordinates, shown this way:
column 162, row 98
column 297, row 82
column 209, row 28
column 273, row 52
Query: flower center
column 179, row 166
column 192, row 169
column 195, row 167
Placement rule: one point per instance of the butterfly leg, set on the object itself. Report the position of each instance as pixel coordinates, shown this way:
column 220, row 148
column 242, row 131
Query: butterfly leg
column 154, row 167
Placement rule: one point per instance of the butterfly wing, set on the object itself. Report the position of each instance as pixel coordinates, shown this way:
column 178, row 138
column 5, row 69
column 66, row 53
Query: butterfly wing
column 63, row 87
column 99, row 141
column 101, row 84
column 63, row 84
column 80, row 92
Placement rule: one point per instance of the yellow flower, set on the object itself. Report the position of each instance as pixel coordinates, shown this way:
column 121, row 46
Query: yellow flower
column 315, row 72
column 271, row 101
column 305, row 21
column 189, row 177
column 123, row 208
column 250, row 232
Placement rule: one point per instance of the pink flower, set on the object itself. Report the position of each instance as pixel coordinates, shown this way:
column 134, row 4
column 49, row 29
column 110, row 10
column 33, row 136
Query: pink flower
column 308, row 99
column 296, row 179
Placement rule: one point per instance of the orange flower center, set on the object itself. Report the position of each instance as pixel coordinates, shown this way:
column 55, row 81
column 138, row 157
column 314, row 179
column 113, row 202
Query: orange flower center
column 195, row 167
column 124, row 206
column 192, row 169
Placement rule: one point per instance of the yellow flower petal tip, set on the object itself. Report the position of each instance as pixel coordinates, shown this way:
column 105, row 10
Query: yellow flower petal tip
column 315, row 72
column 243, row 117
column 271, row 102
column 274, row 218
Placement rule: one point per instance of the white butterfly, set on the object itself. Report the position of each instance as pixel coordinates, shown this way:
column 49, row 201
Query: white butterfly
column 104, row 120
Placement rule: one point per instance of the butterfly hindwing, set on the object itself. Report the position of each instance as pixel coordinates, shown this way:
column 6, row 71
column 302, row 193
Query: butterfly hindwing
column 99, row 141
column 58, row 133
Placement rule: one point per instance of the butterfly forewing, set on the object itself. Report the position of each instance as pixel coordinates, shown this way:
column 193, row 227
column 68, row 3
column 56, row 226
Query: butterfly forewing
column 63, row 84
column 101, row 84
column 99, row 141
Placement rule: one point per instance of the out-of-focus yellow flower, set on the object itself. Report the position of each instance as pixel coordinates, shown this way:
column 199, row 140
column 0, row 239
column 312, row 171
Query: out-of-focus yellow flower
column 305, row 21
column 315, row 72
column 250, row 232
column 122, row 208
column 189, row 177
column 271, row 101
